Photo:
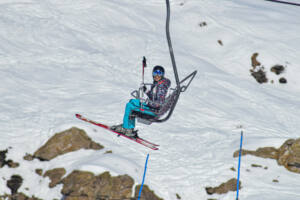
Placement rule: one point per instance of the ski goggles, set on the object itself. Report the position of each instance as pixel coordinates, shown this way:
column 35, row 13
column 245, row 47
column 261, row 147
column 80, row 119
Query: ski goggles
column 157, row 73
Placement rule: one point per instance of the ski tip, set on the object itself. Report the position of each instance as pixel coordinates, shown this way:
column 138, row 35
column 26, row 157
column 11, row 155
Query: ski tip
column 77, row 115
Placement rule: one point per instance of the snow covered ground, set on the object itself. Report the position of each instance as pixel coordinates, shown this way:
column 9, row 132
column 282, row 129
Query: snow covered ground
column 58, row 58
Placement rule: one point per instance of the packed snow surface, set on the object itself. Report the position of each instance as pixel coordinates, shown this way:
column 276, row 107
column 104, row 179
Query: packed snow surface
column 58, row 58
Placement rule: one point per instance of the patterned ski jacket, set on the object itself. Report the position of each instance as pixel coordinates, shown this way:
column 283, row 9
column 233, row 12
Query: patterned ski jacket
column 158, row 93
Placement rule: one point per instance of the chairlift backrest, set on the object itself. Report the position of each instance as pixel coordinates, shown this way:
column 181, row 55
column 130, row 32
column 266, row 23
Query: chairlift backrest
column 169, row 101
column 164, row 108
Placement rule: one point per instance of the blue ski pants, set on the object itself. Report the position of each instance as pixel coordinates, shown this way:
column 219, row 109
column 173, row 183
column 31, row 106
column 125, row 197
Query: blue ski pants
column 134, row 105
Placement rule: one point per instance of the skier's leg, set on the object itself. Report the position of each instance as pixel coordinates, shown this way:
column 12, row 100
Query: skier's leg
column 128, row 122
column 147, row 110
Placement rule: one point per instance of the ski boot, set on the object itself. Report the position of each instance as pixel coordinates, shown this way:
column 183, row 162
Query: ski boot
column 128, row 132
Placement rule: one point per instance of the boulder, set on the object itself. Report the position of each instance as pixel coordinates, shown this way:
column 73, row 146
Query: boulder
column 14, row 183
column 260, row 75
column 39, row 172
column 277, row 69
column 254, row 61
column 65, row 142
column 282, row 80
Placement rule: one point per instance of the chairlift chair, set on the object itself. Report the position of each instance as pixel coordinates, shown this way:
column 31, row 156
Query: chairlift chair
column 166, row 109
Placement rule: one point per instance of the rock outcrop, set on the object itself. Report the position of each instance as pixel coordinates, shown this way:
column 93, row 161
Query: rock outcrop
column 288, row 155
column 259, row 73
column 230, row 185
column 265, row 152
column 78, row 185
column 146, row 194
column 4, row 162
column 3, row 158
column 65, row 142
column 18, row 196
column 85, row 185
column 55, row 176
column 257, row 70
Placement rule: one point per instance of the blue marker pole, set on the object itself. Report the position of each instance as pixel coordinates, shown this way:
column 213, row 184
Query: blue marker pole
column 238, row 178
column 140, row 192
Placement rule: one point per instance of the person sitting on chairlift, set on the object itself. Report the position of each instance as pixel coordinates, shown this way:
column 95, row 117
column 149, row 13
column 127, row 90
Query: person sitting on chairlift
column 156, row 97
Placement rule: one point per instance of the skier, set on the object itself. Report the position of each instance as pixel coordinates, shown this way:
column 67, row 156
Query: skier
column 156, row 96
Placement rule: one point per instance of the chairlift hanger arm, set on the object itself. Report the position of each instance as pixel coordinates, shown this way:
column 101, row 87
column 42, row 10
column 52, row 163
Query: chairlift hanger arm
column 170, row 43
column 178, row 88
column 191, row 77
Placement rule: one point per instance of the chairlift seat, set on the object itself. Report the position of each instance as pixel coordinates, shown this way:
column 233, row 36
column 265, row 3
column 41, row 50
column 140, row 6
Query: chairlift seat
column 165, row 107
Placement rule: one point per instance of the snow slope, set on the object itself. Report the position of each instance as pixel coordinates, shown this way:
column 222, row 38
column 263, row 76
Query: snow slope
column 58, row 58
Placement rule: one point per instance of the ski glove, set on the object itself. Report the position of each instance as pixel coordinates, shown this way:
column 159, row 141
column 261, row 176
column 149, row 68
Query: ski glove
column 144, row 88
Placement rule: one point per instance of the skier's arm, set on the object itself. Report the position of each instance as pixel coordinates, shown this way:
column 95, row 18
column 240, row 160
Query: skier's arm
column 149, row 94
column 162, row 91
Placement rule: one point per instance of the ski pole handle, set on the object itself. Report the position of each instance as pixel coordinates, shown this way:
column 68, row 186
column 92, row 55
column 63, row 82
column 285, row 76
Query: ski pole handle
column 144, row 65
column 143, row 82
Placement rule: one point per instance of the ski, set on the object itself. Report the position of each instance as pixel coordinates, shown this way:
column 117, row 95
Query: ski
column 135, row 139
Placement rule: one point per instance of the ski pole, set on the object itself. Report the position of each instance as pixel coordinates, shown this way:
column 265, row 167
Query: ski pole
column 143, row 82
column 239, row 166
column 144, row 65
column 143, row 74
